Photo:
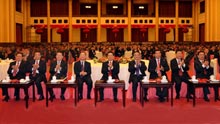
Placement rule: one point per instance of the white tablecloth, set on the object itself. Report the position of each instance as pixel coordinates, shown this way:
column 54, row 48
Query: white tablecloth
column 123, row 74
column 96, row 75
column 4, row 64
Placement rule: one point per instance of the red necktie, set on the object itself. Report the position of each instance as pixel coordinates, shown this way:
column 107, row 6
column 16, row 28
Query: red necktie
column 180, row 70
column 205, row 72
column 110, row 70
column 82, row 66
column 158, row 65
column 16, row 71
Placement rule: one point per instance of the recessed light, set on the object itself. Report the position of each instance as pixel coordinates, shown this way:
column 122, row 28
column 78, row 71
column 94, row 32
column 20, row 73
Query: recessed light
column 115, row 7
column 141, row 7
column 88, row 7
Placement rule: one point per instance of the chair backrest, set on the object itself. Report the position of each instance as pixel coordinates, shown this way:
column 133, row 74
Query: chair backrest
column 147, row 64
column 128, row 54
column 169, row 56
column 214, row 64
column 98, row 54
column 73, row 73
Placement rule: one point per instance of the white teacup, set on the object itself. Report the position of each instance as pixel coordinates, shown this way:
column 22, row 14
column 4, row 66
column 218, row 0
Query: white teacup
column 145, row 77
column 109, row 77
column 212, row 77
column 7, row 78
column 72, row 78
column 164, row 78
column 22, row 80
column 193, row 77
column 27, row 78
column 54, row 78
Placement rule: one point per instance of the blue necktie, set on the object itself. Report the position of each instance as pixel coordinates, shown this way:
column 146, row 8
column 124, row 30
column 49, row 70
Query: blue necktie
column 137, row 70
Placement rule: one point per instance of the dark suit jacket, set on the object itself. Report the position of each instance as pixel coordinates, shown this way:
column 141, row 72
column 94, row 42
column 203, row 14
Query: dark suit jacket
column 200, row 70
column 21, row 72
column 11, row 56
column 42, row 69
column 132, row 69
column 115, row 70
column 175, row 69
column 153, row 65
column 77, row 68
column 63, row 71
column 92, row 54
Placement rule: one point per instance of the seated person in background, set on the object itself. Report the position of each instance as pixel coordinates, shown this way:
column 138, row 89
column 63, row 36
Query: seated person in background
column 37, row 70
column 58, row 68
column 82, row 69
column 204, row 71
column 158, row 67
column 16, row 70
column 137, row 70
column 110, row 68
column 179, row 74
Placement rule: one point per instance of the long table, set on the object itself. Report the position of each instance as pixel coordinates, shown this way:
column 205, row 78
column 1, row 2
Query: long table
column 104, row 84
column 200, row 84
column 62, row 84
column 153, row 84
column 25, row 86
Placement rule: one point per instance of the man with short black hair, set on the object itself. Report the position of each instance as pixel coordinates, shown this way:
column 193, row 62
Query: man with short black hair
column 204, row 71
column 110, row 68
column 137, row 70
column 58, row 68
column 179, row 74
column 16, row 70
column 37, row 70
column 158, row 67
column 82, row 69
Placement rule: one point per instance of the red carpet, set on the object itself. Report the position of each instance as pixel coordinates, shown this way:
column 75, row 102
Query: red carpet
column 108, row 112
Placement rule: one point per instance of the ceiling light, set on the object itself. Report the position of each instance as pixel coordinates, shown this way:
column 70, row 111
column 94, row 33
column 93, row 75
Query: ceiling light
column 141, row 7
column 88, row 7
column 115, row 7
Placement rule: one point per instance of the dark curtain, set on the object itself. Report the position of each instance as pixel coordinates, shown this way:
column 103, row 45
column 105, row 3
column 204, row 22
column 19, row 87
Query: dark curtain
column 75, row 8
column 65, row 35
column 44, row 36
column 88, row 37
column 185, row 9
column 166, row 8
column 19, row 34
column 162, row 35
column 38, row 8
column 202, row 33
column 180, row 35
column 138, row 36
column 59, row 8
column 115, row 37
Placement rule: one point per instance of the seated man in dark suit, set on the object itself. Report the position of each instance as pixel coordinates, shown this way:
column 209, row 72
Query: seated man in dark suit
column 92, row 53
column 58, row 68
column 204, row 71
column 17, row 71
column 179, row 74
column 158, row 67
column 82, row 69
column 110, row 68
column 37, row 70
column 137, row 70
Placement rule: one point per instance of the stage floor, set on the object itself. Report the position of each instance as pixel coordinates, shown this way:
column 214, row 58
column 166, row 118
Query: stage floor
column 108, row 112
